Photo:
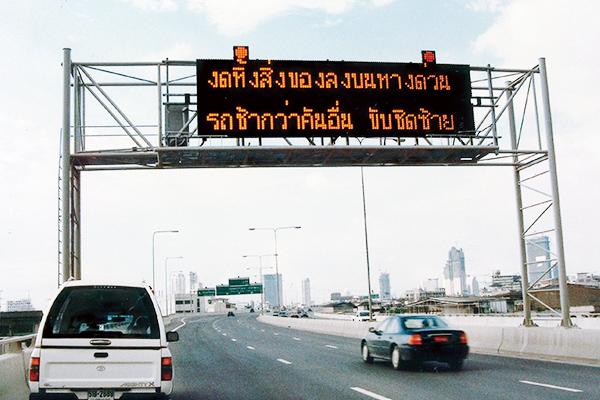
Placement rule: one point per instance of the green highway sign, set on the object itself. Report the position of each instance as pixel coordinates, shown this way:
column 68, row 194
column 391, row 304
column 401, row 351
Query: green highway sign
column 206, row 292
column 224, row 290
column 239, row 281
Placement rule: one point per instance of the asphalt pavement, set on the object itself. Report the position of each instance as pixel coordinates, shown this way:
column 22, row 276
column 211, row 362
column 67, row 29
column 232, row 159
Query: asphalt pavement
column 221, row 357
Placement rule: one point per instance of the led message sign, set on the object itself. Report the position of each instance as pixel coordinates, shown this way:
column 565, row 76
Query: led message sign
column 270, row 98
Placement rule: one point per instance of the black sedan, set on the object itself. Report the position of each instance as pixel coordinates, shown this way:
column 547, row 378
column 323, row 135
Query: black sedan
column 409, row 340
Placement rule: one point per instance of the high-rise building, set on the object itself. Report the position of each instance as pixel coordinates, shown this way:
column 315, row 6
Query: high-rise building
column 475, row 287
column 306, row 292
column 384, row 286
column 193, row 281
column 270, row 289
column 538, row 259
column 179, row 283
column 455, row 276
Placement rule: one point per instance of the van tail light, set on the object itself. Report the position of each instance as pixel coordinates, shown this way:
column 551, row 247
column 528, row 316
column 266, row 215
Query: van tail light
column 415, row 340
column 34, row 369
column 463, row 338
column 166, row 369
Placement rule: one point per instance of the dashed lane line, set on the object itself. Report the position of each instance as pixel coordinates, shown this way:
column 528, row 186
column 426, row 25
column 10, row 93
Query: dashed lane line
column 331, row 346
column 224, row 334
column 250, row 348
column 281, row 360
column 297, row 338
column 234, row 340
column 369, row 393
column 566, row 389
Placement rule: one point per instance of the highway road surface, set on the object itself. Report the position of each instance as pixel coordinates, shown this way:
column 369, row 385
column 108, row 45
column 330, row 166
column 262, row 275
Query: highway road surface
column 221, row 357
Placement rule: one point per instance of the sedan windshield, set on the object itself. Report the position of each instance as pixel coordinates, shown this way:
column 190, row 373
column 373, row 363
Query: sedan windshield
column 102, row 311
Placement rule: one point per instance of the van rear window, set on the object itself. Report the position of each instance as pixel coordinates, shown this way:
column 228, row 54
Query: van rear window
column 102, row 311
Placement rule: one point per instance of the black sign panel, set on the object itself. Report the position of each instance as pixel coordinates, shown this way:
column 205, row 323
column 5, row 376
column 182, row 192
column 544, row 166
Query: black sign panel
column 264, row 98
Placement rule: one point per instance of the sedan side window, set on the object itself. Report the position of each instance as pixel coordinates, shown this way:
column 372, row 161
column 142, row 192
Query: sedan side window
column 393, row 326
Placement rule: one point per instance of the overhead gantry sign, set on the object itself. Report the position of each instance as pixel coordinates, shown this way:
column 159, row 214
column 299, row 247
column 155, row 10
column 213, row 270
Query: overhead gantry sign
column 276, row 113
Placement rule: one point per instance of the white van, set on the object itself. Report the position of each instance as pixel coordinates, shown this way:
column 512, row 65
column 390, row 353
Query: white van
column 102, row 342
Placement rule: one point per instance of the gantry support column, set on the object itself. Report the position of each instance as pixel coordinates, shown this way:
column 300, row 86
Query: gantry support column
column 76, row 223
column 520, row 220
column 560, row 251
column 66, row 169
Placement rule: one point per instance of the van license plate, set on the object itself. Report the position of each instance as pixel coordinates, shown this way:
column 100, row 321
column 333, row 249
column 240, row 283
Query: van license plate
column 101, row 395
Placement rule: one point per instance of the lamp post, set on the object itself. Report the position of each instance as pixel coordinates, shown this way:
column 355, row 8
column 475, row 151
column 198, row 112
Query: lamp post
column 274, row 230
column 153, row 244
column 362, row 181
column 260, row 269
column 166, row 282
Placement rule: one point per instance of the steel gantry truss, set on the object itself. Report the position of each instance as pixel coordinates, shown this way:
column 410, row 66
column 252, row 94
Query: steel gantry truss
column 97, row 134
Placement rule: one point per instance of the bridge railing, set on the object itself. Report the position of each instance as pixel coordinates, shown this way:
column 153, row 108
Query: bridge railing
column 16, row 344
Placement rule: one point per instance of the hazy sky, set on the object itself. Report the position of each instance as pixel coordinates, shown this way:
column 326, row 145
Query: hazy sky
column 415, row 214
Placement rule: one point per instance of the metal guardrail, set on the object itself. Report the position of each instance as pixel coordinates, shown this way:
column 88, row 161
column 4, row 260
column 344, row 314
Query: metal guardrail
column 15, row 344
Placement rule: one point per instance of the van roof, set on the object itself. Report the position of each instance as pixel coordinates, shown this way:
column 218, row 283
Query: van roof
column 75, row 283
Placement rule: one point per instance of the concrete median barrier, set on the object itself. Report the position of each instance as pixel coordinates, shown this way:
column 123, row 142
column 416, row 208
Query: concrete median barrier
column 13, row 379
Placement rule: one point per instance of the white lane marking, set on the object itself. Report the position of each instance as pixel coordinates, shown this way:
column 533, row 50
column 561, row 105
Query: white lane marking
column 234, row 340
column 262, row 330
column 275, row 333
column 370, row 394
column 552, row 386
column 331, row 346
column 180, row 326
column 297, row 338
column 250, row 348
column 281, row 360
column 224, row 334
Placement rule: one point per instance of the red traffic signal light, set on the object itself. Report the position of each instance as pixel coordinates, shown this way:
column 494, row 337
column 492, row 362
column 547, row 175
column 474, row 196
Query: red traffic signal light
column 428, row 56
column 240, row 54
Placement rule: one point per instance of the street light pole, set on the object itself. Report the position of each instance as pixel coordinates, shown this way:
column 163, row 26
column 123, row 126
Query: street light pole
column 153, row 266
column 275, row 229
column 166, row 284
column 260, row 269
column 362, row 181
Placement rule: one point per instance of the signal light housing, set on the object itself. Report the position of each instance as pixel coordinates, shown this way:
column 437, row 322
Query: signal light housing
column 34, row 369
column 415, row 340
column 428, row 57
column 166, row 369
column 241, row 54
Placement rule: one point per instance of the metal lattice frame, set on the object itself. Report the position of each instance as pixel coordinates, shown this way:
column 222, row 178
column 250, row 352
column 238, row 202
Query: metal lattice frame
column 121, row 144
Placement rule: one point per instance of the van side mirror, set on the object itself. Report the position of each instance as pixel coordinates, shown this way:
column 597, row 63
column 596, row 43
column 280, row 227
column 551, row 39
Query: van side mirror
column 172, row 336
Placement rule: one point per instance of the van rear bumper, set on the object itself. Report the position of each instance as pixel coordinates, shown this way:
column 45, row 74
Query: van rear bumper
column 73, row 396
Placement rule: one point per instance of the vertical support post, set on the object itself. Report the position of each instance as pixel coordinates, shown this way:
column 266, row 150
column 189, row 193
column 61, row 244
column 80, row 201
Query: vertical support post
column 493, row 109
column 362, row 181
column 76, row 223
column 159, row 89
column 76, row 114
column 560, row 251
column 519, row 200
column 66, row 168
